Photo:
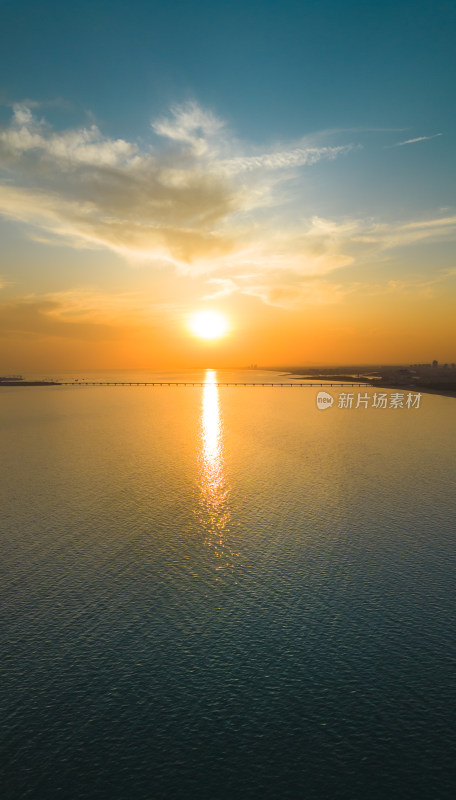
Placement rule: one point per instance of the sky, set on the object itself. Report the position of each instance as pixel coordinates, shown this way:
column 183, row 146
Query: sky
column 287, row 164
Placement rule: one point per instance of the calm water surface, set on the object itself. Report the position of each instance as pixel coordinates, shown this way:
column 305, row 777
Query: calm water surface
column 225, row 593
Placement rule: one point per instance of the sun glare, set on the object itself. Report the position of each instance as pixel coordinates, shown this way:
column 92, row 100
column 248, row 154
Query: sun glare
column 209, row 324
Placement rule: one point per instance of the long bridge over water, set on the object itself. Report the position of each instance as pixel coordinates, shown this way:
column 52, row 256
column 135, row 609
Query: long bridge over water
column 208, row 383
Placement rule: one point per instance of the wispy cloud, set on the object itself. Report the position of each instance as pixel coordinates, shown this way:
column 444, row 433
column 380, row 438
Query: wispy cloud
column 84, row 313
column 297, row 267
column 286, row 289
column 193, row 125
column 295, row 157
column 417, row 139
column 41, row 316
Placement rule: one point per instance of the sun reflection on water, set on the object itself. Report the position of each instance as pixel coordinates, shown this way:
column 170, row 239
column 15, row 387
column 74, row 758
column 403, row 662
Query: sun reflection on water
column 214, row 497
column 212, row 430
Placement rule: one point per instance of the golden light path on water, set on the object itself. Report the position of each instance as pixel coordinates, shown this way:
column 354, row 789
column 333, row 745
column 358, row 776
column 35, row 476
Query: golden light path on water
column 214, row 498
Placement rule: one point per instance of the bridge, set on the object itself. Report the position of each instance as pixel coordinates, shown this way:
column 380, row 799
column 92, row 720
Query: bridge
column 209, row 383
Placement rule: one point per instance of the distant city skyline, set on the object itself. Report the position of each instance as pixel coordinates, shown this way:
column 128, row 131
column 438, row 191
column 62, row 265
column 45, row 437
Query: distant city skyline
column 289, row 166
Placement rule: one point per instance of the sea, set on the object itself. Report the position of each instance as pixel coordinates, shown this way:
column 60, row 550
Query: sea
column 226, row 592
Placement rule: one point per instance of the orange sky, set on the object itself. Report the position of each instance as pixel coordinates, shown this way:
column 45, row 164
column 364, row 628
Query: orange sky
column 108, row 245
column 390, row 330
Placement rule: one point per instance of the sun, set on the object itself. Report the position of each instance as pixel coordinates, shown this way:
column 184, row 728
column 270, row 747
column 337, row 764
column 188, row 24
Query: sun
column 208, row 324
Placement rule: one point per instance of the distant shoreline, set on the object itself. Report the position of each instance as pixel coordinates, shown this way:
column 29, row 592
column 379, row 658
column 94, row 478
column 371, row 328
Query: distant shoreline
column 416, row 389
column 377, row 383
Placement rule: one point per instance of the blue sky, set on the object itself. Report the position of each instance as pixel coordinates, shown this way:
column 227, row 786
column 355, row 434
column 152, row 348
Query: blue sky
column 302, row 66
column 303, row 150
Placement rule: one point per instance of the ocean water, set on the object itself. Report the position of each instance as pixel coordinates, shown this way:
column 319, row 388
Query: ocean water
column 225, row 593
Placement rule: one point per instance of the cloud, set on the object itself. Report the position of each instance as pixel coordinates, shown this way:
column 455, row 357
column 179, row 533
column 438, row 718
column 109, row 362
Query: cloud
column 298, row 266
column 285, row 289
column 194, row 197
column 83, row 223
column 177, row 201
column 190, row 124
column 42, row 317
column 85, row 313
column 83, row 145
column 283, row 159
column 418, row 139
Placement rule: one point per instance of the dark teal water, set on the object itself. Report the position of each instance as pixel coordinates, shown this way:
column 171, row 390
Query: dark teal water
column 225, row 594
